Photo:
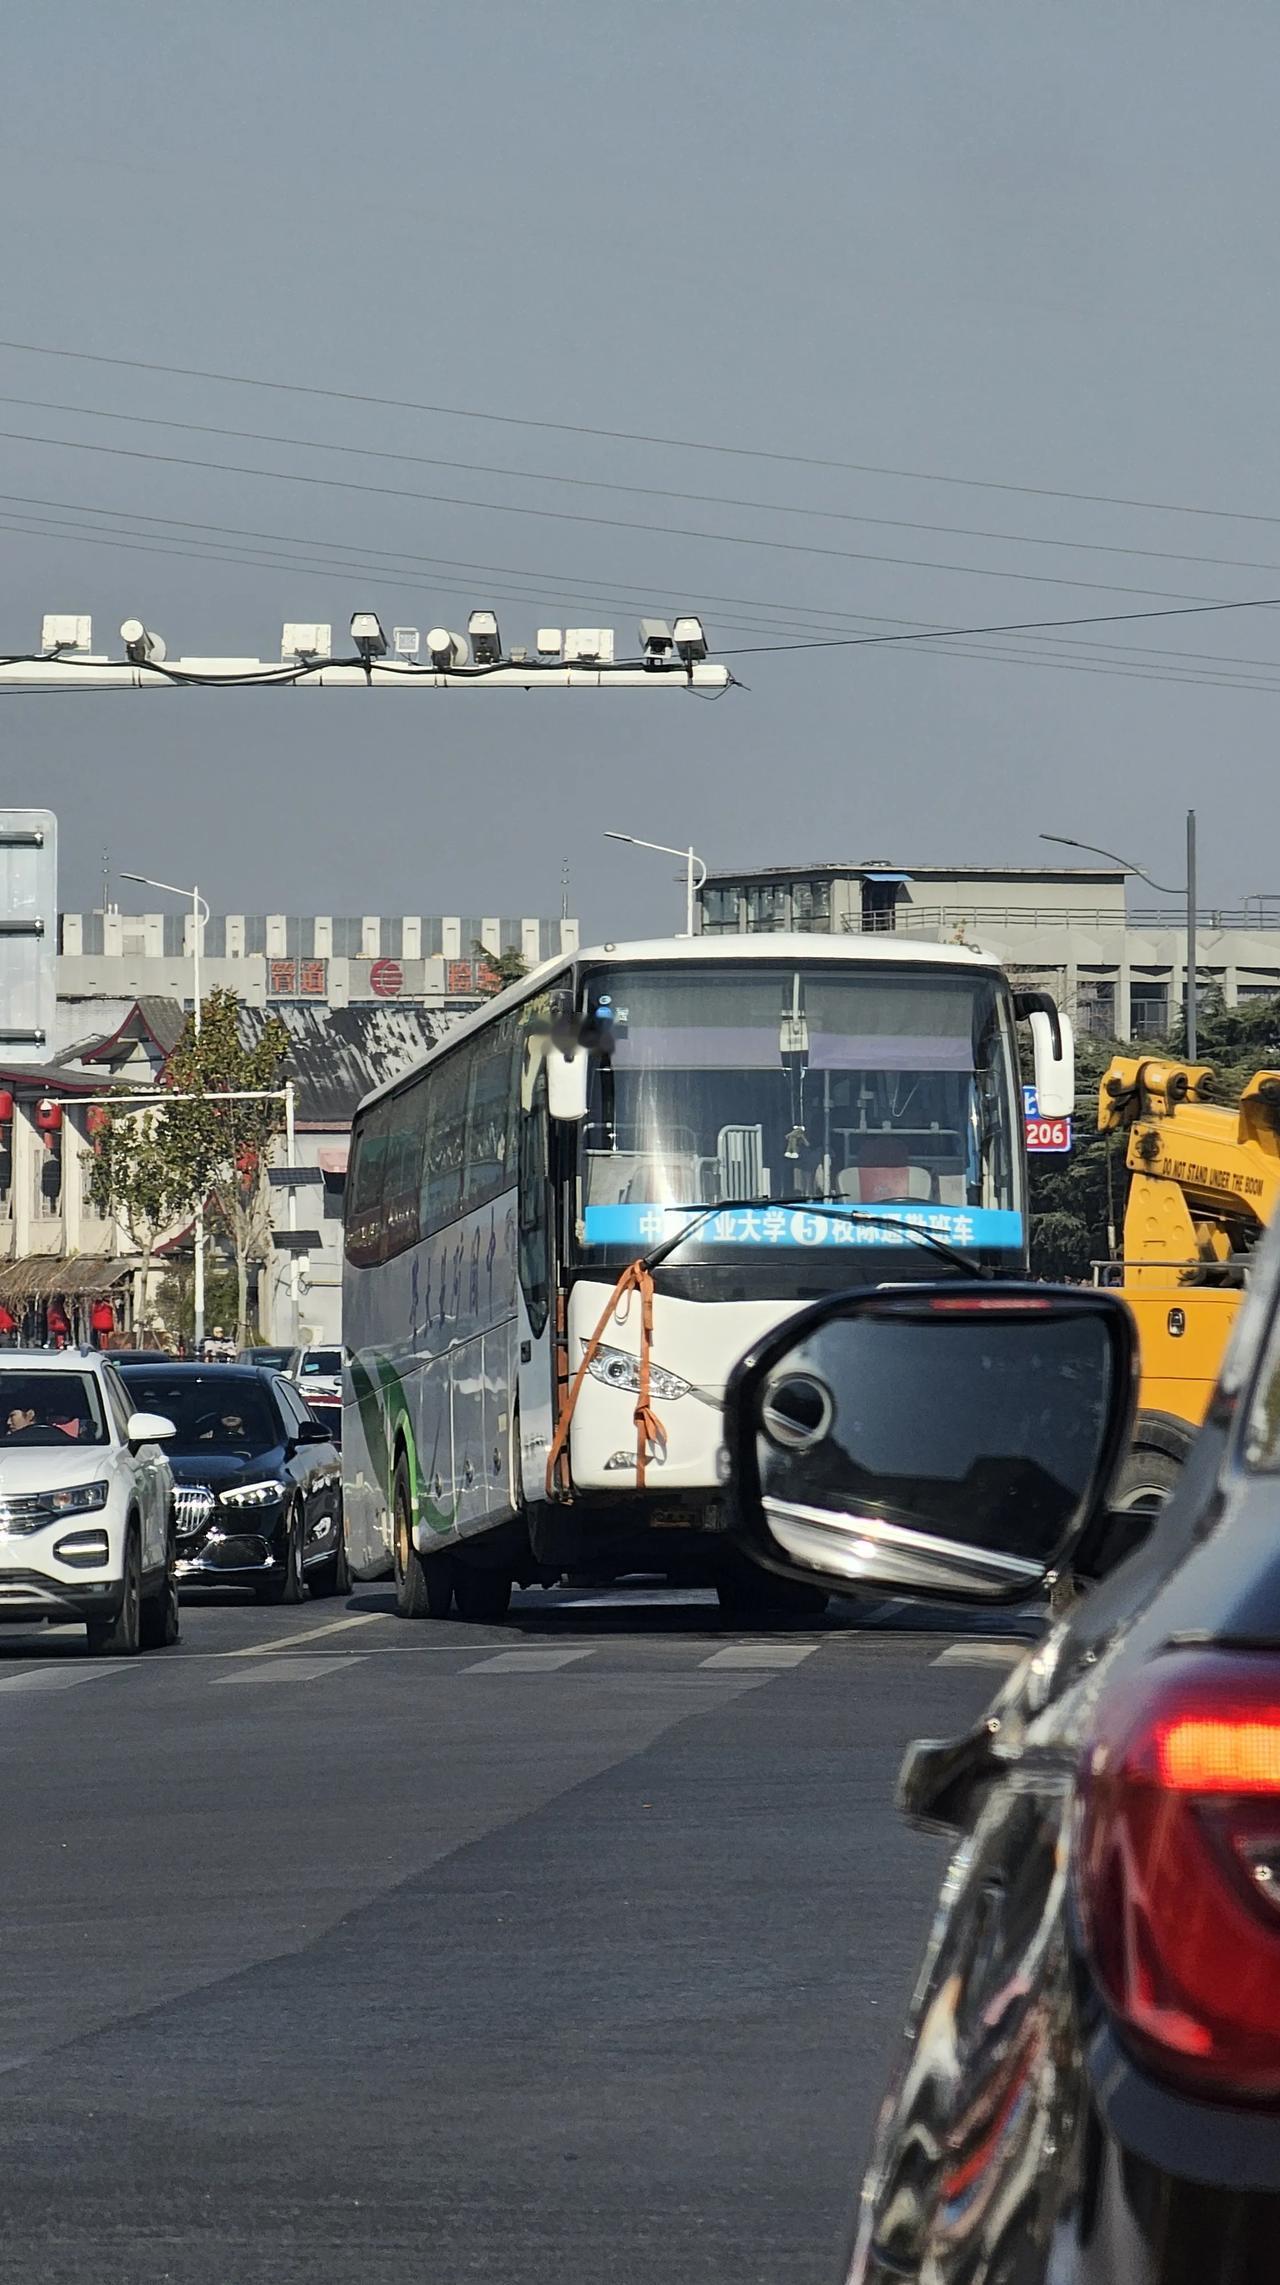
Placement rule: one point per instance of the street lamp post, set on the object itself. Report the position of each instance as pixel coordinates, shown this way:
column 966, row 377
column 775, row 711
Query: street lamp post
column 199, row 918
column 695, row 872
column 1065, row 841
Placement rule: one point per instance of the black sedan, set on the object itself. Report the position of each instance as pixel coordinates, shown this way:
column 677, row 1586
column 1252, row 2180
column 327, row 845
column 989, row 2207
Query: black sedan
column 1089, row 2086
column 259, row 1481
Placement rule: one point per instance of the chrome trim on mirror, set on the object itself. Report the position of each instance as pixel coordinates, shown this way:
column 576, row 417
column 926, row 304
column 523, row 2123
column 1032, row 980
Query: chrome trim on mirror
column 868, row 1551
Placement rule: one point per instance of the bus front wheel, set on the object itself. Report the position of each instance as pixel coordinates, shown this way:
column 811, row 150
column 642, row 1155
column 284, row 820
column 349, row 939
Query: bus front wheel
column 424, row 1583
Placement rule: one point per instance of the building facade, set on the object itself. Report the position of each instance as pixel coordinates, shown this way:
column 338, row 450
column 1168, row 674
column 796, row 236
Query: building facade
column 280, row 959
column 1118, row 966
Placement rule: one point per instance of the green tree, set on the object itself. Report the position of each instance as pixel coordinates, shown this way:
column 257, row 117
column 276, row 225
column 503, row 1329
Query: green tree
column 142, row 1177
column 1077, row 1200
column 227, row 1145
column 495, row 970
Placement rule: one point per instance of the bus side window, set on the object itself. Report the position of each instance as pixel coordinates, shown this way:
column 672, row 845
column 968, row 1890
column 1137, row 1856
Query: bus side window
column 535, row 1234
column 490, row 1167
column 403, row 1159
column 364, row 1189
column 444, row 1147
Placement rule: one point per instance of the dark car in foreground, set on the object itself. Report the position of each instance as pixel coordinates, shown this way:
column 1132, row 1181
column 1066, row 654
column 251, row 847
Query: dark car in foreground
column 1089, row 2087
column 258, row 1481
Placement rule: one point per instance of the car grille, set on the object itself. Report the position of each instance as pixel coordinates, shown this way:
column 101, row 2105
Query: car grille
column 193, row 1504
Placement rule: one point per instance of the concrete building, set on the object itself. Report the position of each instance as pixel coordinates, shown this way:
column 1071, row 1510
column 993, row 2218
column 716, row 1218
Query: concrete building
column 1119, row 966
column 275, row 960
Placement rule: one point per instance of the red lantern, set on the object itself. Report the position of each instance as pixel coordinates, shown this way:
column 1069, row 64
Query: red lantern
column 6, row 1107
column 102, row 1317
column 48, row 1119
column 246, row 1162
column 97, row 1119
column 8, row 1322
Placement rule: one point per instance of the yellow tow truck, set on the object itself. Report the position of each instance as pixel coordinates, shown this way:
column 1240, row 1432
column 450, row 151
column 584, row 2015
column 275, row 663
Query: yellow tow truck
column 1204, row 1182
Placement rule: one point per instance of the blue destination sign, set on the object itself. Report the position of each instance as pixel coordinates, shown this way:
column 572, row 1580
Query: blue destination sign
column 844, row 1223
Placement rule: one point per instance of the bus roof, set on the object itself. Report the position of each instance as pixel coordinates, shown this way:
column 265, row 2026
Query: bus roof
column 887, row 950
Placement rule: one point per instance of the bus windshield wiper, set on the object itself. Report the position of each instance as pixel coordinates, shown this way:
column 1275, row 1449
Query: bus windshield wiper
column 659, row 1253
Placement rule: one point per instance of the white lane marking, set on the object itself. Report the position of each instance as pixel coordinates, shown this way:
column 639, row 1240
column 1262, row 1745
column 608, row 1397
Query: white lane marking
column 288, row 1670
column 59, row 1677
column 745, row 1655
column 526, row 1661
column 982, row 1654
column 290, row 1642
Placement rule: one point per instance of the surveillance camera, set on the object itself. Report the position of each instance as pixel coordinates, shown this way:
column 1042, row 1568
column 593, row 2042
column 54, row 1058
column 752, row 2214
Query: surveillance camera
column 444, row 650
column 655, row 639
column 367, row 635
column 690, row 640
column 142, row 646
column 486, row 642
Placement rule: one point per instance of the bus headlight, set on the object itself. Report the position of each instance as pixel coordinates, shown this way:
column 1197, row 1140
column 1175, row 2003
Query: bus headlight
column 617, row 1368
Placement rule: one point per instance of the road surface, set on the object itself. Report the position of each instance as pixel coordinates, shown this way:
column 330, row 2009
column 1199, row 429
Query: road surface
column 343, row 1949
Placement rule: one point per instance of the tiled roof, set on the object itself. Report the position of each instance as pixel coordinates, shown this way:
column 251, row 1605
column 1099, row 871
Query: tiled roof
column 337, row 1055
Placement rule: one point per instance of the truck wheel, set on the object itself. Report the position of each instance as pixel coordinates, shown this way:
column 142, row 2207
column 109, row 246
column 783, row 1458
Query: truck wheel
column 483, row 1597
column 1147, row 1479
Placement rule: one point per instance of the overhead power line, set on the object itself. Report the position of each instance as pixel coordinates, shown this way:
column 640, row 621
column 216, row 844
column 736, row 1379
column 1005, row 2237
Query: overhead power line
column 640, row 491
column 1012, row 627
column 638, row 436
column 574, row 516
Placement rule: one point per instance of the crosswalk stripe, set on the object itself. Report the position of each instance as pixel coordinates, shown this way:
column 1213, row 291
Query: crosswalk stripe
column 291, row 1642
column 982, row 1654
column 741, row 1655
column 288, row 1670
column 60, row 1677
column 527, row 1661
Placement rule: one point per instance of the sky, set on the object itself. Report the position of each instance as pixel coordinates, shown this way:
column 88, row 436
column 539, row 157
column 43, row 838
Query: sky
column 1007, row 252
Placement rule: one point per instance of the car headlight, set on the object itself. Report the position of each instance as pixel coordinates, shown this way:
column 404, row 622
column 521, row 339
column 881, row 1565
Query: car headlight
column 250, row 1495
column 79, row 1499
column 617, row 1368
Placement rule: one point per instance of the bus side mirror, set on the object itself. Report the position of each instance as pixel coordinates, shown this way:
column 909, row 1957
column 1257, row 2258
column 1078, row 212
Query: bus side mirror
column 1053, row 1051
column 568, row 1082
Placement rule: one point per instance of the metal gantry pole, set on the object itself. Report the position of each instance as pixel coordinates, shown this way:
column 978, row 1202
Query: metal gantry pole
column 1192, row 963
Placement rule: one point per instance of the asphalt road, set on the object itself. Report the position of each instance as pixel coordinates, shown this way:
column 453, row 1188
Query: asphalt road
column 341, row 1949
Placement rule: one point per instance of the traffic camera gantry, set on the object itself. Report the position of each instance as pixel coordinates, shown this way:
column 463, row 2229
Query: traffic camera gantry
column 668, row 657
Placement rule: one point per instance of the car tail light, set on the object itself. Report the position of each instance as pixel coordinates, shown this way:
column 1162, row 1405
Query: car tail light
column 1178, row 1868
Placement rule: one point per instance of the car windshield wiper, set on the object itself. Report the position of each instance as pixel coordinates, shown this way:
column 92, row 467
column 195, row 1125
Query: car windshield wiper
column 659, row 1253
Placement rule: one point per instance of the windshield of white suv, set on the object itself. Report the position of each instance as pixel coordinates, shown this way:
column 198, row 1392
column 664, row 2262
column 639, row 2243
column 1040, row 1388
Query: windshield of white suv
column 50, row 1409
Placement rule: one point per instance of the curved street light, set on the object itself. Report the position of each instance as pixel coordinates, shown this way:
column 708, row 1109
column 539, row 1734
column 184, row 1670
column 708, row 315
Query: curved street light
column 1065, row 841
column 693, row 864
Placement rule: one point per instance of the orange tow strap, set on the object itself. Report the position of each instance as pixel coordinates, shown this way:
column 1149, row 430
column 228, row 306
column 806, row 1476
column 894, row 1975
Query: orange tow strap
column 651, row 1436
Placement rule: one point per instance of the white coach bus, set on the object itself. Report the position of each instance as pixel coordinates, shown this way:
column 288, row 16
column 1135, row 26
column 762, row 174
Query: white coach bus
column 566, row 1224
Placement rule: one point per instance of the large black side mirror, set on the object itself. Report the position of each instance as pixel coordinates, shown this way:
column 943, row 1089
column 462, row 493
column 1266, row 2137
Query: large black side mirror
column 950, row 1441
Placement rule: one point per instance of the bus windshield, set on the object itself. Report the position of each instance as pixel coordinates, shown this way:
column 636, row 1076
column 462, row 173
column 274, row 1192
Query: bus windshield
column 879, row 1094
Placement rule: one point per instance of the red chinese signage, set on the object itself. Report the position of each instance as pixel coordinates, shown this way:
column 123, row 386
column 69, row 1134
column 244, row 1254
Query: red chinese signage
column 297, row 979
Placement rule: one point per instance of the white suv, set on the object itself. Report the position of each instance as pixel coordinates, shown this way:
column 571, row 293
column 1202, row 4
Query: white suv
column 86, row 1502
